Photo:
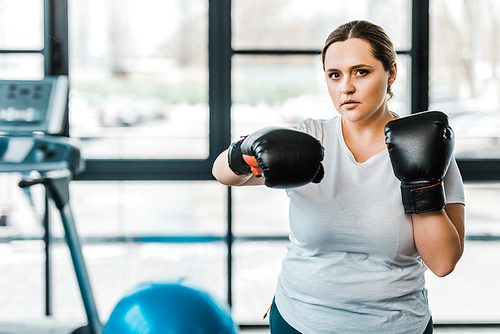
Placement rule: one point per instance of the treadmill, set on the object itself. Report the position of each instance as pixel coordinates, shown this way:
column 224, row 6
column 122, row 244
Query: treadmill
column 33, row 142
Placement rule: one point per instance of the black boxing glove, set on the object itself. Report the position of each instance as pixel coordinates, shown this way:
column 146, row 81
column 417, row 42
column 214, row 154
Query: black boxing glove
column 284, row 157
column 420, row 148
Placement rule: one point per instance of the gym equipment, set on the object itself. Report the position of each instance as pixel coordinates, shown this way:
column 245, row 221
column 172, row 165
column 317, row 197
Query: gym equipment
column 176, row 307
column 31, row 112
column 33, row 106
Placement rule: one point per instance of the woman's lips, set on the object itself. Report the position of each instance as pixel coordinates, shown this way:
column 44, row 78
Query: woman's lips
column 349, row 104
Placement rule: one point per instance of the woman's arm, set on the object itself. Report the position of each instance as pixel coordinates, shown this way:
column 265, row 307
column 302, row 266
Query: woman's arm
column 226, row 176
column 439, row 237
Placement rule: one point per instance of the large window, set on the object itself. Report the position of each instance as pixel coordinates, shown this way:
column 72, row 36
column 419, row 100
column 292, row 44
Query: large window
column 160, row 87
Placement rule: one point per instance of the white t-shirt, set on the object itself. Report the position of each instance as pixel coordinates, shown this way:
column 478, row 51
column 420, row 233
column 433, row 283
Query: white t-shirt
column 352, row 266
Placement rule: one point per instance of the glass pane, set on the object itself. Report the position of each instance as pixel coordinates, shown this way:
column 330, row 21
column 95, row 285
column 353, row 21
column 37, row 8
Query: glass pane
column 283, row 90
column 119, row 209
column 476, row 279
column 271, row 90
column 21, row 66
column 256, row 269
column 150, row 208
column 476, row 274
column 298, row 24
column 21, row 25
column 465, row 73
column 114, row 270
column 139, row 78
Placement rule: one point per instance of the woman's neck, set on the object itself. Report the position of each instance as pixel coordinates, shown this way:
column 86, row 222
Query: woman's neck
column 365, row 139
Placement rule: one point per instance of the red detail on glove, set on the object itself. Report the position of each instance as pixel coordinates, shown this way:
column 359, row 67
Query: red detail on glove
column 254, row 165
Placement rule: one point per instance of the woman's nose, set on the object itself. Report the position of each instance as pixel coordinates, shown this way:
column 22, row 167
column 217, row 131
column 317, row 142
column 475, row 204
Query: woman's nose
column 347, row 87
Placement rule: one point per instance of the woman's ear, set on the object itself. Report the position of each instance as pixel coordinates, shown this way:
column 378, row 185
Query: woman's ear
column 393, row 72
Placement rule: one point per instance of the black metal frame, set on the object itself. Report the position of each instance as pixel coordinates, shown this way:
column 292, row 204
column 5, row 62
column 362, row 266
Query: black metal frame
column 420, row 56
column 220, row 53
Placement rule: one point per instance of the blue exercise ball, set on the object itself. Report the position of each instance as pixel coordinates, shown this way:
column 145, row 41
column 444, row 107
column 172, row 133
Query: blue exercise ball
column 178, row 307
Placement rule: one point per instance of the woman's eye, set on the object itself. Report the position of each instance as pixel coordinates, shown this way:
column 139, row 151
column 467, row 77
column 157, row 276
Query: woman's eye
column 334, row 75
column 362, row 72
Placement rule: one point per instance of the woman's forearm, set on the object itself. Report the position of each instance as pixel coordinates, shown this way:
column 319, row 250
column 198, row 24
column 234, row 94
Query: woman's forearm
column 439, row 238
column 226, row 176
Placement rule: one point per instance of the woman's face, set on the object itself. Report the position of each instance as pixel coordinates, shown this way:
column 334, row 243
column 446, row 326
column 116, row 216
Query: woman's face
column 357, row 82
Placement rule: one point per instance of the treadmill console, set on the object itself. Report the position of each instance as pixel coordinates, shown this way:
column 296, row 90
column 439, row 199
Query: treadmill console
column 33, row 106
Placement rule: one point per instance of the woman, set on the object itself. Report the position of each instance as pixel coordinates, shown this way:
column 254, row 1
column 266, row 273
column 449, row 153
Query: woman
column 357, row 255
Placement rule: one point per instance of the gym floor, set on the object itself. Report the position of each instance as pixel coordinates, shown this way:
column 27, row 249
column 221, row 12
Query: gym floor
column 450, row 330
column 438, row 330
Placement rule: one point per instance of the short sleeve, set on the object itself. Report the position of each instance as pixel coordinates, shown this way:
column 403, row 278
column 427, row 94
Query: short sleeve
column 453, row 184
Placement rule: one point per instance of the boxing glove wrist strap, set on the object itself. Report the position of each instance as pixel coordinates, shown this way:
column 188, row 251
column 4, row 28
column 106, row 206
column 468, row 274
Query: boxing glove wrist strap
column 420, row 198
column 235, row 159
